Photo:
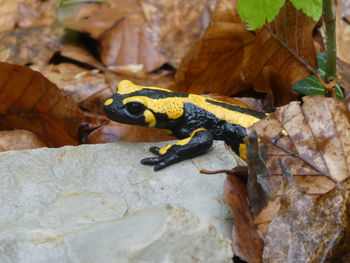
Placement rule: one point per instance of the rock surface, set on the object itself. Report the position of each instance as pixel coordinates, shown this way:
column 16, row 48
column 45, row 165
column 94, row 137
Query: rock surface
column 97, row 203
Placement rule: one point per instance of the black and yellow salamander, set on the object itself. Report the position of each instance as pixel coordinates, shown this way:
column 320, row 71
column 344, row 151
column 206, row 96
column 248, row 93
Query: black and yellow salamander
column 194, row 119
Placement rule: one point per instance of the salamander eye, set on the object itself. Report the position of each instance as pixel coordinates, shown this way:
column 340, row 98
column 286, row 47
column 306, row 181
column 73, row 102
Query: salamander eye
column 135, row 108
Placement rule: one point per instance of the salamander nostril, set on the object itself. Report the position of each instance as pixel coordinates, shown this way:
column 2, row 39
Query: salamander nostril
column 114, row 109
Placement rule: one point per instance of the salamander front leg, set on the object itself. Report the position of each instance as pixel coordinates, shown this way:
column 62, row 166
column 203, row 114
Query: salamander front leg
column 197, row 144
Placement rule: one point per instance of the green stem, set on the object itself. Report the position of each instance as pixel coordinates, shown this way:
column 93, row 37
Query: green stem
column 328, row 15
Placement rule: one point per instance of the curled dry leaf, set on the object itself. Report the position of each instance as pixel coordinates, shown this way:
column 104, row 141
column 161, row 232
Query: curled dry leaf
column 19, row 140
column 246, row 242
column 228, row 59
column 129, row 42
column 29, row 101
column 312, row 139
column 261, row 186
column 34, row 45
column 141, row 35
column 274, row 64
column 215, row 62
column 307, row 228
column 80, row 54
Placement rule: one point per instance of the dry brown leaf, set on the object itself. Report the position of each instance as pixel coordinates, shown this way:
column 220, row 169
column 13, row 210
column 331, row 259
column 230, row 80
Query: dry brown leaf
column 229, row 59
column 19, row 140
column 246, row 242
column 215, row 62
column 129, row 42
column 178, row 25
column 34, row 45
column 96, row 18
column 29, row 101
column 119, row 26
column 26, row 13
column 309, row 229
column 343, row 30
column 80, row 84
column 317, row 148
column 271, row 67
column 80, row 54
column 262, row 187
column 114, row 132
column 145, row 33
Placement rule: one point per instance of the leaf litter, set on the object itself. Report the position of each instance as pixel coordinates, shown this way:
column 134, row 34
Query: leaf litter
column 229, row 59
column 308, row 219
column 29, row 101
column 223, row 61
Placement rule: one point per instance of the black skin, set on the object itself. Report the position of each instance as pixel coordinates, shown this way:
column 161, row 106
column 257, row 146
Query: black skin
column 198, row 145
column 192, row 119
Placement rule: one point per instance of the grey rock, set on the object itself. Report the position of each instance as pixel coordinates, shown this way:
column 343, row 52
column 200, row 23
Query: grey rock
column 97, row 203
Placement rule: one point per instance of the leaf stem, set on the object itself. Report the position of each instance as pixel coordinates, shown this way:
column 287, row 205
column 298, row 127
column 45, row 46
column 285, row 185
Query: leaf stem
column 328, row 15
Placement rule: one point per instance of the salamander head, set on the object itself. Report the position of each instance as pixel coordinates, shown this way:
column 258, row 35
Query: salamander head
column 139, row 105
column 132, row 112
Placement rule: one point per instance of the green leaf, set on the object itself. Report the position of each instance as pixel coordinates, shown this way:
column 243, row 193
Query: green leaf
column 256, row 12
column 311, row 85
column 73, row 2
column 312, row 8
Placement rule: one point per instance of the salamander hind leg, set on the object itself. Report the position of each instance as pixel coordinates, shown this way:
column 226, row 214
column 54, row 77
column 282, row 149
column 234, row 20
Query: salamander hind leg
column 197, row 144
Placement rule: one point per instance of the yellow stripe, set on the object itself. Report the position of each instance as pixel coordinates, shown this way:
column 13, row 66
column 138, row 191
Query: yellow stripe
column 181, row 142
column 230, row 116
column 173, row 108
column 165, row 149
column 126, row 87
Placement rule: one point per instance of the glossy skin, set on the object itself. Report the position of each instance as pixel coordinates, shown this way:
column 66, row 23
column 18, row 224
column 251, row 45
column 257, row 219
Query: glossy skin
column 195, row 119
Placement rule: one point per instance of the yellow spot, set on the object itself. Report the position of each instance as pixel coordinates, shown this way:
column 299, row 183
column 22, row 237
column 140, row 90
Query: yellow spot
column 108, row 102
column 126, row 87
column 284, row 132
column 243, row 152
column 149, row 118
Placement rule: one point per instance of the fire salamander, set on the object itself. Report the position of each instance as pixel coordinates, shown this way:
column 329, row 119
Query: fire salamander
column 194, row 119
